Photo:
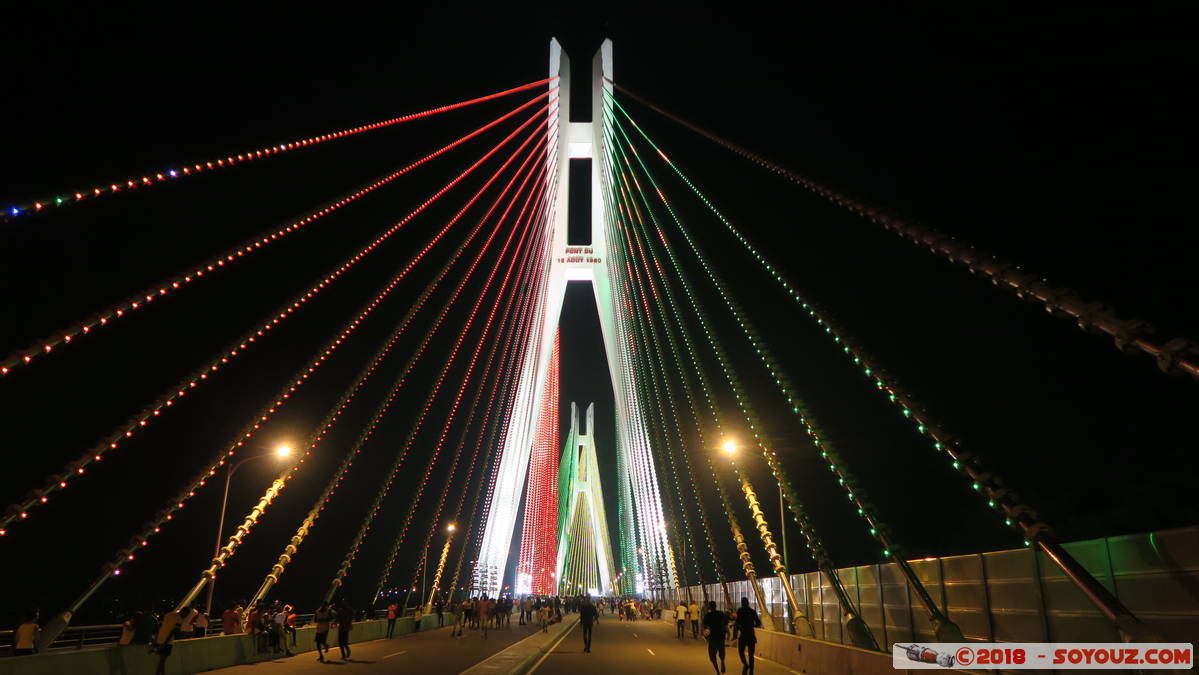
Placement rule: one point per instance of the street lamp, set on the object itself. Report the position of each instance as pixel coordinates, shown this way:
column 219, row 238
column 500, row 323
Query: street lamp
column 281, row 451
column 729, row 447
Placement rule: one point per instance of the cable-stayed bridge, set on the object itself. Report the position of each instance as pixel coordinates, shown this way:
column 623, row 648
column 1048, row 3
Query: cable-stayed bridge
column 514, row 507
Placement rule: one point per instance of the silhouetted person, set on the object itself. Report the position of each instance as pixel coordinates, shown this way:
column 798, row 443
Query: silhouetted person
column 166, row 635
column 587, row 618
column 322, row 618
column 716, row 628
column 747, row 621
column 345, row 621
column 26, row 634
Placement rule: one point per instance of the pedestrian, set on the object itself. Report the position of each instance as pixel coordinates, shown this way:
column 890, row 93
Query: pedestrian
column 747, row 621
column 127, row 631
column 716, row 626
column 439, row 607
column 279, row 630
column 25, row 637
column 187, row 627
column 290, row 624
column 345, row 622
column 680, row 618
column 588, row 615
column 693, row 615
column 167, row 631
column 543, row 618
column 200, row 624
column 144, row 624
column 392, row 613
column 483, row 610
column 231, row 620
column 323, row 617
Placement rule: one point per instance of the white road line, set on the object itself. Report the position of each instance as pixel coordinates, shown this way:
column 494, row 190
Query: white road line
column 395, row 654
column 549, row 651
column 651, row 652
column 635, row 635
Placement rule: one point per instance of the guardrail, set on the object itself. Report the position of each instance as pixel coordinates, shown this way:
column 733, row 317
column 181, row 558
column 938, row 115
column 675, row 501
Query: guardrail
column 79, row 637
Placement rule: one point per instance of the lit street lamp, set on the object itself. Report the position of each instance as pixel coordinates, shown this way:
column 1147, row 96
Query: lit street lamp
column 280, row 452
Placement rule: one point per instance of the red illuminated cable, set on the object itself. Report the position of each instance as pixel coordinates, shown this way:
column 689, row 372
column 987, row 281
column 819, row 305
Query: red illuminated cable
column 506, row 395
column 168, row 174
column 384, row 489
column 19, row 511
column 382, row 409
column 105, row 317
column 154, row 527
column 441, row 379
column 498, row 435
column 446, row 427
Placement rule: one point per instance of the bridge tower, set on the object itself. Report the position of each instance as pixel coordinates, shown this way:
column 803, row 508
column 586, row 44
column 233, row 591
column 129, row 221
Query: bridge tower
column 584, row 562
column 644, row 556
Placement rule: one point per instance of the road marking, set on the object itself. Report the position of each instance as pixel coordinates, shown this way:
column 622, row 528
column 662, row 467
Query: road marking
column 549, row 651
column 651, row 652
column 635, row 635
column 395, row 654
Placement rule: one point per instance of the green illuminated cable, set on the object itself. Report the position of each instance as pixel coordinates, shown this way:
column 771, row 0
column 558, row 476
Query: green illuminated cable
column 984, row 482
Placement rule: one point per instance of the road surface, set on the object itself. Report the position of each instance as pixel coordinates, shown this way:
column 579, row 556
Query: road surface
column 623, row 647
column 425, row 652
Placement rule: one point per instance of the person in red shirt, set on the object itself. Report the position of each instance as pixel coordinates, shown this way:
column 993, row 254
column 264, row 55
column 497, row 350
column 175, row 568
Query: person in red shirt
column 231, row 620
column 393, row 611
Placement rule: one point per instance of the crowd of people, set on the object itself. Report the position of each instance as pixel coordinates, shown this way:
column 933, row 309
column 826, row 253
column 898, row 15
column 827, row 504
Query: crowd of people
column 272, row 625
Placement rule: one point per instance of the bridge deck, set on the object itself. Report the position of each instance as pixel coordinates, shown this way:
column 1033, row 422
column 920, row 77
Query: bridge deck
column 643, row 647
column 430, row 651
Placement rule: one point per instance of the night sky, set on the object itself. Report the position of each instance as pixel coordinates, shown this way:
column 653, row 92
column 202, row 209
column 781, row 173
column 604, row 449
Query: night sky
column 1061, row 139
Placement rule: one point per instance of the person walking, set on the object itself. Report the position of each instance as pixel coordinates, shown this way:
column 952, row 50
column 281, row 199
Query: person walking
column 747, row 620
column 680, row 618
column 716, row 628
column 323, row 617
column 345, row 621
column 392, row 612
column 543, row 617
column 693, row 615
column 588, row 616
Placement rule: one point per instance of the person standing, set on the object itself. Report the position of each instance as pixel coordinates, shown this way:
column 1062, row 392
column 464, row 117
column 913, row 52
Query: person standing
column 26, row 634
column 200, row 624
column 693, row 615
column 231, row 620
column 166, row 635
column 543, row 617
column 747, row 620
column 588, row 616
column 392, row 613
column 279, row 631
column 323, row 617
column 680, row 618
column 439, row 607
column 345, row 621
column 290, row 625
column 716, row 626
column 483, row 610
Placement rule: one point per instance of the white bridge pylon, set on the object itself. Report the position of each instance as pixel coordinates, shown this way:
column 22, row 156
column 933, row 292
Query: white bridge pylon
column 644, row 555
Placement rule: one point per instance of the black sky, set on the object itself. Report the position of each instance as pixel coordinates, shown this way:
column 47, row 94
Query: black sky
column 1060, row 138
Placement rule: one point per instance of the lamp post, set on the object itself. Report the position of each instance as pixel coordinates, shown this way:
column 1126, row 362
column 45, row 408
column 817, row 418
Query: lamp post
column 279, row 452
column 802, row 624
column 445, row 552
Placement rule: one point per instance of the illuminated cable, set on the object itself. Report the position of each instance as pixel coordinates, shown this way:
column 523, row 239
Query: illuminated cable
column 155, row 292
column 77, row 468
column 168, row 174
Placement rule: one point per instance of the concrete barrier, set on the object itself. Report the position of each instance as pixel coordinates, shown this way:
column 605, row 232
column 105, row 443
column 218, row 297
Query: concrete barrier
column 188, row 656
column 520, row 657
column 818, row 656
